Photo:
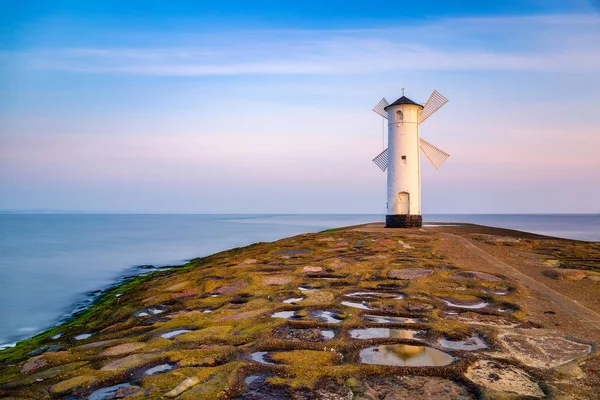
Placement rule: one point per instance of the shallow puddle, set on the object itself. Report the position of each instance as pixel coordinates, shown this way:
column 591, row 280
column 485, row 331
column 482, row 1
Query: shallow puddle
column 285, row 315
column 329, row 317
column 293, row 300
column 107, row 392
column 375, row 295
column 382, row 319
column 473, row 306
column 327, row 335
column 306, row 288
column 158, row 369
column 306, row 334
column 259, row 357
column 405, row 355
column 83, row 336
column 362, row 306
column 172, row 334
column 383, row 333
column 470, row 344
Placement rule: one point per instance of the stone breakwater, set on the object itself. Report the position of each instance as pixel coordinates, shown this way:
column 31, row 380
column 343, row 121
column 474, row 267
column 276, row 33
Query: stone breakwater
column 356, row 313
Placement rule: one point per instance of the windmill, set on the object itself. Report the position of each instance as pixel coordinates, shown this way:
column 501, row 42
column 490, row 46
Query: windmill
column 402, row 157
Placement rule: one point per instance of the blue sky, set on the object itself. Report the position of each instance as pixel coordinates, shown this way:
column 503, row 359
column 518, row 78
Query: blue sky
column 265, row 107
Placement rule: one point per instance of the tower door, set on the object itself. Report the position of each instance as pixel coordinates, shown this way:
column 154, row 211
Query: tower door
column 403, row 203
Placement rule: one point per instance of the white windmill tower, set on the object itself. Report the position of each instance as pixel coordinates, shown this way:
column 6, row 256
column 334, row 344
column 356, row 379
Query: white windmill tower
column 402, row 157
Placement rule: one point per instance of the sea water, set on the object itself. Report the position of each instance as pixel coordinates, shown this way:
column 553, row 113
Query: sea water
column 49, row 263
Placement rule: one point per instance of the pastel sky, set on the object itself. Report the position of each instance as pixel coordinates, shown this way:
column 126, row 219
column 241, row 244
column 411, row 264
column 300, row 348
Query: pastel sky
column 265, row 107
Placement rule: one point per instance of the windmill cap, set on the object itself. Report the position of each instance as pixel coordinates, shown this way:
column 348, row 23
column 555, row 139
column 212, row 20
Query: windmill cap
column 403, row 100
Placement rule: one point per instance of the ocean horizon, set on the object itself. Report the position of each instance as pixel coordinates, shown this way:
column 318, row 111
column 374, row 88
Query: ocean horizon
column 52, row 264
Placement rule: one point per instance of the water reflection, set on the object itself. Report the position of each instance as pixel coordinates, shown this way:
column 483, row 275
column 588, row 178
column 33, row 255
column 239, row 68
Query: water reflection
column 405, row 355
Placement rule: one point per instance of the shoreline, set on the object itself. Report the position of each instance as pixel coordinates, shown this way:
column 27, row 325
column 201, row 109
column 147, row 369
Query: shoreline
column 222, row 299
column 89, row 301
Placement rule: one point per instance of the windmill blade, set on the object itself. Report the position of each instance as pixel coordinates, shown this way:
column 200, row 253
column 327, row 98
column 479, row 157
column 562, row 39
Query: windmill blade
column 435, row 155
column 435, row 102
column 382, row 160
column 379, row 108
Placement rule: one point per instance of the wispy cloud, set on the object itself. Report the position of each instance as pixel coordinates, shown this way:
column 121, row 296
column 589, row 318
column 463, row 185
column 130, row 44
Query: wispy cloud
column 542, row 43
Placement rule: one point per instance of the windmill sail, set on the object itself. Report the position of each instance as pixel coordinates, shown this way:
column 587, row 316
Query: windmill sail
column 435, row 155
column 382, row 160
column 435, row 102
column 379, row 108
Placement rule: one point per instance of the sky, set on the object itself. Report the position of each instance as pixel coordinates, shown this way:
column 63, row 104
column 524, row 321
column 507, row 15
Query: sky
column 265, row 106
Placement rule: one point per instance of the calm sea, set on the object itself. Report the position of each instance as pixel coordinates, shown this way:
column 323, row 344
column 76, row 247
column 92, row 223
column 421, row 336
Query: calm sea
column 50, row 263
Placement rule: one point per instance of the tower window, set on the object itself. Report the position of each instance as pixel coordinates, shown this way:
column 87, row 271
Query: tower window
column 404, row 160
column 398, row 115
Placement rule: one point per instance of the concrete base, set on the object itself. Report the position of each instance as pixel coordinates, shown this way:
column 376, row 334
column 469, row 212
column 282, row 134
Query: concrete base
column 403, row 221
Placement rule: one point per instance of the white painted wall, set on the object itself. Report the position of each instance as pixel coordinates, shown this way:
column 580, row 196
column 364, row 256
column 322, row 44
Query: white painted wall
column 404, row 175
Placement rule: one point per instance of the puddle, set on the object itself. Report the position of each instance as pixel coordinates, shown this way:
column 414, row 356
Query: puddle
column 158, row 369
column 172, row 334
column 305, row 334
column 285, row 315
column 141, row 314
column 155, row 311
column 362, row 306
column 329, row 317
column 57, row 336
column 259, row 357
column 293, row 300
column 405, row 356
column 258, row 388
column 327, row 335
column 375, row 295
column 83, row 336
column 470, row 344
column 382, row 319
column 383, row 333
column 480, row 304
column 108, row 392
column 306, row 288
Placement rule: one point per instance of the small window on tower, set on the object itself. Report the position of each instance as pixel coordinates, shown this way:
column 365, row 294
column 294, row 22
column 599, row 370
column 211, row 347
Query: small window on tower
column 398, row 115
column 404, row 160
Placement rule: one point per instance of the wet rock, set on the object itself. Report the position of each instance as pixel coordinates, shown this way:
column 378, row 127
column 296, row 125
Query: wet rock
column 503, row 378
column 564, row 274
column 70, row 384
column 310, row 269
column 277, row 280
column 183, row 386
column 33, row 365
column 542, row 349
column 42, row 350
column 475, row 275
column 121, row 349
column 409, row 273
column 482, row 319
column 128, row 362
column 410, row 387
column 230, row 289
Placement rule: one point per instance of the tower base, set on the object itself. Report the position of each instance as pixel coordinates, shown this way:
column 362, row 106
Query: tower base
column 403, row 221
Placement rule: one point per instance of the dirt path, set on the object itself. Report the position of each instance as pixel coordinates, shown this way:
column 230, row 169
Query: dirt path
column 570, row 306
